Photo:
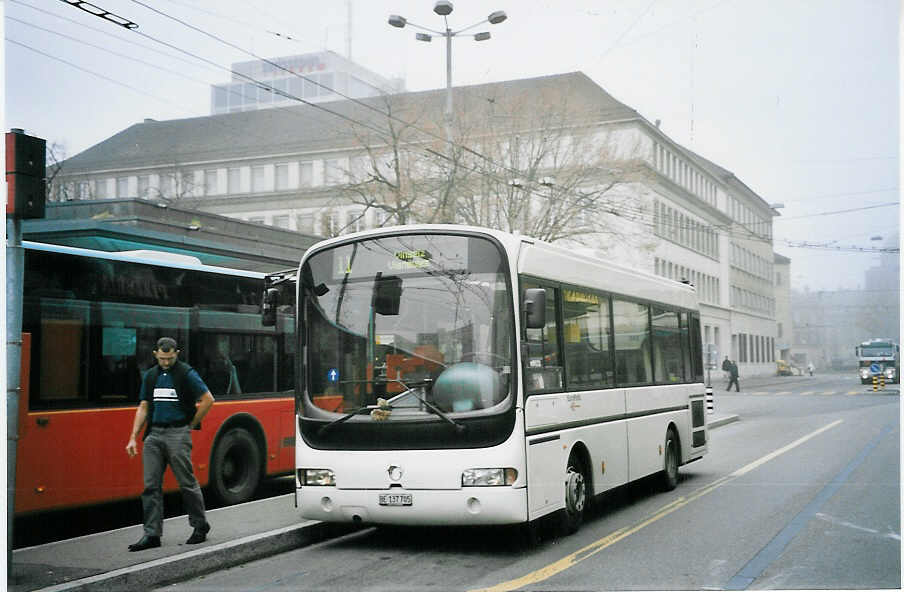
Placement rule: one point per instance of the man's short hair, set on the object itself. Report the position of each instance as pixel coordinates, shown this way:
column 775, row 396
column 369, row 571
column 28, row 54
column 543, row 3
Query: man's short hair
column 166, row 344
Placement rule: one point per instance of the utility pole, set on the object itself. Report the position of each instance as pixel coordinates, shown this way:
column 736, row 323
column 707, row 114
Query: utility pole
column 26, row 183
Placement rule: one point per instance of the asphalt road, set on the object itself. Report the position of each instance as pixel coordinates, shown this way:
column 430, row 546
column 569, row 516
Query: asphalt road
column 802, row 492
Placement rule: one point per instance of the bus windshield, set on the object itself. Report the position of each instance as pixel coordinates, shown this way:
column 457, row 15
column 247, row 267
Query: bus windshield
column 403, row 331
column 878, row 350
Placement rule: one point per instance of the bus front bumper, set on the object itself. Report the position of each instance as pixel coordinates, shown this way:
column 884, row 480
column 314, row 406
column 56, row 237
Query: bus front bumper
column 467, row 506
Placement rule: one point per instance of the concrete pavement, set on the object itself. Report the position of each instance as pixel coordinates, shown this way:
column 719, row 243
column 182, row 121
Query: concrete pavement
column 240, row 534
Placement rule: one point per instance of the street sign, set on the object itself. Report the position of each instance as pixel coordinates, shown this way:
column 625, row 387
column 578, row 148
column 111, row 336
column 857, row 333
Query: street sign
column 874, row 368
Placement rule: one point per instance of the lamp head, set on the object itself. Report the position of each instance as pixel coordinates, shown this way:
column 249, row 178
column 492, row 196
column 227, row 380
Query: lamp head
column 497, row 17
column 443, row 7
column 482, row 36
column 397, row 21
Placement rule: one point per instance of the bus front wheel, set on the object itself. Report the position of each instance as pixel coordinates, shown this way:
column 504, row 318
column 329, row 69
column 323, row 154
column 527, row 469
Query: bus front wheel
column 575, row 496
column 235, row 467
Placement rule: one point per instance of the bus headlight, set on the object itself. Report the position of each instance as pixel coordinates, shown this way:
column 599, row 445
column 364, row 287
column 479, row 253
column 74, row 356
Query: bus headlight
column 864, row 373
column 316, row 477
column 890, row 372
column 488, row 477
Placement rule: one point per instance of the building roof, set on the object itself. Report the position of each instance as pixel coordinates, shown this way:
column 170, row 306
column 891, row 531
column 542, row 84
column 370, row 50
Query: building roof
column 131, row 224
column 337, row 124
column 781, row 259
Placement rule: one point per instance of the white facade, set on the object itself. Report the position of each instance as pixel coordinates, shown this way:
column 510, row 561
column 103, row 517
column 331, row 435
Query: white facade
column 692, row 219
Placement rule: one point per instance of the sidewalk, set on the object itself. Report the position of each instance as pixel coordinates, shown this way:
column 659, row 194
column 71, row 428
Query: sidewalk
column 102, row 561
column 240, row 534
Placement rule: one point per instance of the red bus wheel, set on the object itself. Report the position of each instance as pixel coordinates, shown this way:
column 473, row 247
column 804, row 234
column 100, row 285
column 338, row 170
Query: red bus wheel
column 235, row 467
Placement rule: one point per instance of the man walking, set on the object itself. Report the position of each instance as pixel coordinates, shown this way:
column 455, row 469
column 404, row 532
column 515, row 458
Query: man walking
column 169, row 392
column 733, row 377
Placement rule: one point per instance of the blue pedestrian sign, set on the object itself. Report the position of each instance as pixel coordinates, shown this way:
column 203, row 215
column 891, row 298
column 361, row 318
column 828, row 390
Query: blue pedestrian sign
column 332, row 375
column 874, row 368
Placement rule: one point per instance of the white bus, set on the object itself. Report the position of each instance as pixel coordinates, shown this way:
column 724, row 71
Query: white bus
column 453, row 375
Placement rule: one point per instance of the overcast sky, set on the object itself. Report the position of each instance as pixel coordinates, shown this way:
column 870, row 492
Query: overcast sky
column 799, row 99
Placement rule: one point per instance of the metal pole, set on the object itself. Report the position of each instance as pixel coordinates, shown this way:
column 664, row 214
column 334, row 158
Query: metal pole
column 449, row 86
column 15, row 264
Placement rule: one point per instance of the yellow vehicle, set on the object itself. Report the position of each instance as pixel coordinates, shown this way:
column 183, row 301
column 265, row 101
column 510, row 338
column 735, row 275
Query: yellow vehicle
column 782, row 368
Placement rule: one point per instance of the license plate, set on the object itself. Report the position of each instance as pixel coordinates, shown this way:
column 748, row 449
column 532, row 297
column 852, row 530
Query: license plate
column 396, row 499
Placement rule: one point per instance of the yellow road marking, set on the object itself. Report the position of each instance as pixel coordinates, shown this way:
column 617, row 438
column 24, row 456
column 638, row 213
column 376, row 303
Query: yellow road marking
column 595, row 547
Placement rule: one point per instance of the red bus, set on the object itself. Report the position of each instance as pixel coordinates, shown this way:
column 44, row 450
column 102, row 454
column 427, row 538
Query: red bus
column 93, row 318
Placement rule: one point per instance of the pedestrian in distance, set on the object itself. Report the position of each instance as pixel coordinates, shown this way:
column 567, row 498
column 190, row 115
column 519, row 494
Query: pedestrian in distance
column 810, row 368
column 170, row 391
column 733, row 377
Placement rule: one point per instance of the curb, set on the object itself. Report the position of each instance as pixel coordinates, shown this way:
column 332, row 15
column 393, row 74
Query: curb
column 184, row 566
column 724, row 420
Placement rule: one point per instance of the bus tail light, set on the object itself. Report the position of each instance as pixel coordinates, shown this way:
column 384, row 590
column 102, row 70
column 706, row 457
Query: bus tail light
column 488, row 477
column 321, row 477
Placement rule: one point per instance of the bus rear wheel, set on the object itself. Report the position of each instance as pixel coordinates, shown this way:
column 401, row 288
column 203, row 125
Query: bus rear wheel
column 669, row 477
column 575, row 496
column 235, row 467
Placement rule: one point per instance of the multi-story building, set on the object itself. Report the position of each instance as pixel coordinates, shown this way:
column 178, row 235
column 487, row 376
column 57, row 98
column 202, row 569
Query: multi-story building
column 784, row 328
column 328, row 169
column 313, row 77
column 828, row 324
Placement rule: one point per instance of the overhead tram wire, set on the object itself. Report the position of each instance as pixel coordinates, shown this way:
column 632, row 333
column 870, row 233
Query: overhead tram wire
column 104, row 32
column 534, row 192
column 637, row 214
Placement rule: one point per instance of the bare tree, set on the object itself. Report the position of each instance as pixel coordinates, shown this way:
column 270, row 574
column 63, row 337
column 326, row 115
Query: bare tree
column 56, row 190
column 521, row 164
column 177, row 187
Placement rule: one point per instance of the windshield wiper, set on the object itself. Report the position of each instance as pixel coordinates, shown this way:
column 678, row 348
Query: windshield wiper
column 459, row 427
column 387, row 404
column 346, row 417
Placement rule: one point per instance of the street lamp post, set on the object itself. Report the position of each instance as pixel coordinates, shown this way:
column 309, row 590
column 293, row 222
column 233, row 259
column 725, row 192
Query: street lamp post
column 444, row 9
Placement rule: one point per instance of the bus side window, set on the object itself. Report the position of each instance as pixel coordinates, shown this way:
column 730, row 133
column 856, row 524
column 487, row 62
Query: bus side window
column 543, row 361
column 632, row 342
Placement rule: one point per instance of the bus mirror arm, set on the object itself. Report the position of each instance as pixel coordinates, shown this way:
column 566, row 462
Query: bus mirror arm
column 535, row 308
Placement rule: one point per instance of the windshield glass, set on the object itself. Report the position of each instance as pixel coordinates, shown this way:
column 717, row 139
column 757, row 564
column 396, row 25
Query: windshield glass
column 428, row 316
column 876, row 351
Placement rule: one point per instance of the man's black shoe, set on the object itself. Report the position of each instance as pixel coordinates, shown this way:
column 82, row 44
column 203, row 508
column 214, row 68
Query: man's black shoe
column 146, row 542
column 199, row 535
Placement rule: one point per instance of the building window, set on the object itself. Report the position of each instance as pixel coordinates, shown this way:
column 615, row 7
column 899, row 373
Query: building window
column 122, row 187
column 332, row 173
column 84, row 190
column 144, row 184
column 257, row 179
column 166, row 186
column 329, row 224
column 256, row 219
column 281, row 221
column 305, row 223
column 100, row 188
column 281, row 176
column 210, row 182
column 306, row 174
column 234, row 180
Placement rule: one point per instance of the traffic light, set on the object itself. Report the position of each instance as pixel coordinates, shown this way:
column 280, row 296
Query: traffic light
column 26, row 173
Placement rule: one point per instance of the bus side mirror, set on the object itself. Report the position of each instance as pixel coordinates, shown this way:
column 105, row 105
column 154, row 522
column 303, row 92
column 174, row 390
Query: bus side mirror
column 387, row 294
column 535, row 308
column 269, row 303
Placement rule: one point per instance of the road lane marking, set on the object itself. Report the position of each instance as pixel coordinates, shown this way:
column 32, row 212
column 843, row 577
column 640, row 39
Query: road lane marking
column 595, row 547
column 774, row 548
